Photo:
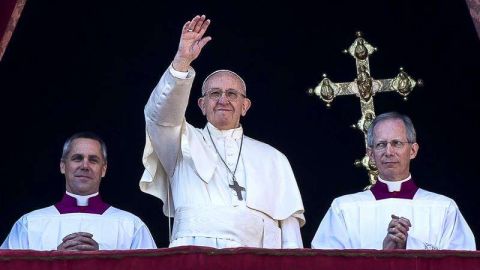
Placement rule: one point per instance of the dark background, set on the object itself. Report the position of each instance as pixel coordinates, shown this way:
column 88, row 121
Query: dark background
column 91, row 65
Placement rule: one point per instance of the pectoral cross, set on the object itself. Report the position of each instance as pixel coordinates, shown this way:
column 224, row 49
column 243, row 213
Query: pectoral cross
column 364, row 87
column 237, row 189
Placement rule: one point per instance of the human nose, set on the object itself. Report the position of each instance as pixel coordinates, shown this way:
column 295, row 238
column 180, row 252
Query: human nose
column 85, row 165
column 389, row 149
column 223, row 98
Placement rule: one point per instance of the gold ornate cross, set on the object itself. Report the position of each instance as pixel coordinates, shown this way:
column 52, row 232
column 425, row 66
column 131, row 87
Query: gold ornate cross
column 364, row 87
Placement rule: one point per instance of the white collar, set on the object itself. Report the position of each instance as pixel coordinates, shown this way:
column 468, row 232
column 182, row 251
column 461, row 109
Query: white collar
column 82, row 200
column 234, row 133
column 394, row 185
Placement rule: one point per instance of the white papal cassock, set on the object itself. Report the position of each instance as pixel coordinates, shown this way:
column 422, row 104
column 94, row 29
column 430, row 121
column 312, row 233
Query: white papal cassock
column 112, row 228
column 360, row 220
column 207, row 212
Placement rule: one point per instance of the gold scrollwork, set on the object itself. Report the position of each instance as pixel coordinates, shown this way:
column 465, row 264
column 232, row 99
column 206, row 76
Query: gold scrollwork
column 361, row 51
column 327, row 93
column 365, row 121
column 364, row 83
column 403, row 83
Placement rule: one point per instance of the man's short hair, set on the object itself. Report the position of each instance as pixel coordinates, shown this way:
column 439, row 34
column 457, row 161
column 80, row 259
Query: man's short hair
column 67, row 146
column 411, row 134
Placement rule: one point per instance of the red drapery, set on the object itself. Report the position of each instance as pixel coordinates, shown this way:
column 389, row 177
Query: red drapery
column 240, row 258
column 10, row 11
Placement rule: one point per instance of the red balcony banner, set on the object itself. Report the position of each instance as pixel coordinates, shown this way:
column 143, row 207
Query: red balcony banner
column 203, row 258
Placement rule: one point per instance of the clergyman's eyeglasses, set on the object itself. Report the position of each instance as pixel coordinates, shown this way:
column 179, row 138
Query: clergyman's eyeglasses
column 382, row 145
column 230, row 94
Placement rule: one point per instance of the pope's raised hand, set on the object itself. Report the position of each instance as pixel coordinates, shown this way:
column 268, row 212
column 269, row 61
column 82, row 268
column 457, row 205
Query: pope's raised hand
column 192, row 41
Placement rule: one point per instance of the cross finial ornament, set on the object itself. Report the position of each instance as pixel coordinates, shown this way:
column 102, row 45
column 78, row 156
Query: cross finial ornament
column 365, row 87
column 238, row 189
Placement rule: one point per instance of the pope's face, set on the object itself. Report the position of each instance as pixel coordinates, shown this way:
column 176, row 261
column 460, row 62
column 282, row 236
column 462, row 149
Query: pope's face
column 84, row 167
column 393, row 163
column 224, row 113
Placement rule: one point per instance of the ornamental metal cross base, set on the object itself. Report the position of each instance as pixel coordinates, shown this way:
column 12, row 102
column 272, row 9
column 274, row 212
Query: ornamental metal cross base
column 364, row 87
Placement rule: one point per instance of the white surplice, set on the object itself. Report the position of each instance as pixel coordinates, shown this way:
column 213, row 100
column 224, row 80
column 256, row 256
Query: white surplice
column 359, row 221
column 44, row 229
column 207, row 211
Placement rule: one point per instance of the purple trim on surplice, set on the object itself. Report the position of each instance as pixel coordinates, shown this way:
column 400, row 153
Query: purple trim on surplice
column 407, row 191
column 69, row 205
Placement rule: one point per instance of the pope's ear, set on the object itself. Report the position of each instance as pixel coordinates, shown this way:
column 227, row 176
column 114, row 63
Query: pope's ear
column 247, row 103
column 201, row 104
